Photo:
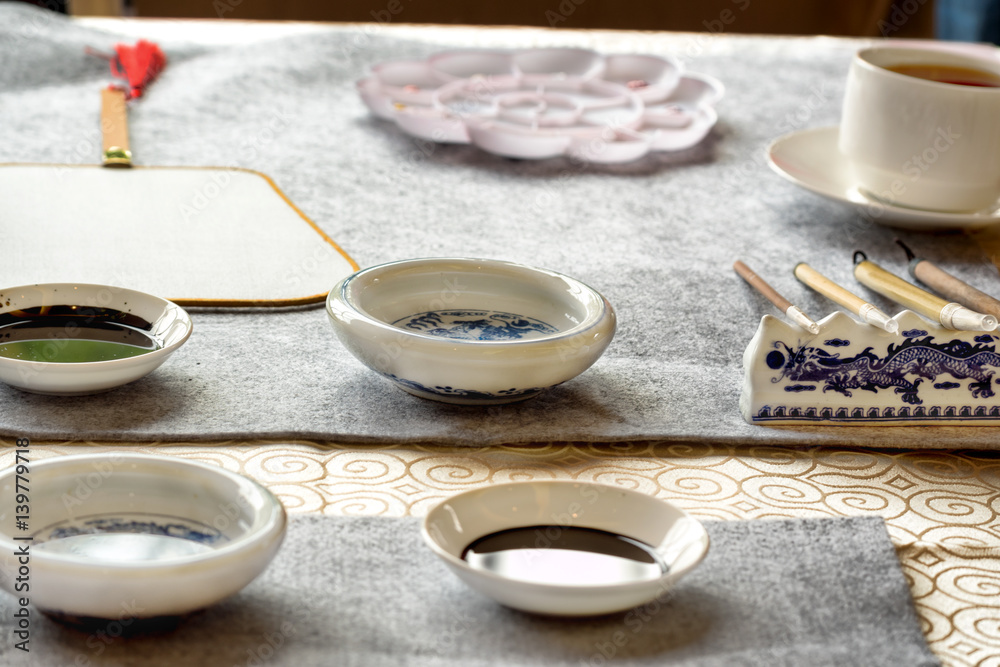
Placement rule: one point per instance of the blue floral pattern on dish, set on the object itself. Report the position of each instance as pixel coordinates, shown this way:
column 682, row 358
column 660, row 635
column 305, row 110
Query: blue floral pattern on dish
column 166, row 526
column 484, row 325
column 513, row 392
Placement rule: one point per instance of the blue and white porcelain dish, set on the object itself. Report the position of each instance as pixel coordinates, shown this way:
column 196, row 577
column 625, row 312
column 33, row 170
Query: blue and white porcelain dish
column 470, row 331
column 118, row 535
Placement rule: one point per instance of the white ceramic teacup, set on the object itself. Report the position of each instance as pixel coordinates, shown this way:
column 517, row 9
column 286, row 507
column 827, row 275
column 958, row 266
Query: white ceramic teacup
column 921, row 142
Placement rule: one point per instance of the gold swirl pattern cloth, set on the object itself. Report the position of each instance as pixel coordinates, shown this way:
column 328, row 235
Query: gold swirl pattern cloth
column 942, row 509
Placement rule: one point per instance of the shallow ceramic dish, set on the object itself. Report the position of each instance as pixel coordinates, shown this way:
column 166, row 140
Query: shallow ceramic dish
column 679, row 539
column 470, row 331
column 78, row 305
column 136, row 535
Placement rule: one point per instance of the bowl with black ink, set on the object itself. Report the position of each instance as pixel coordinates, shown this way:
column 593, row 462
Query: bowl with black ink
column 470, row 331
column 114, row 535
column 69, row 339
column 565, row 548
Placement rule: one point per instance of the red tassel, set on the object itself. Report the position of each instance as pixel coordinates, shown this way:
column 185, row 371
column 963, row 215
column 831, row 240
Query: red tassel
column 139, row 65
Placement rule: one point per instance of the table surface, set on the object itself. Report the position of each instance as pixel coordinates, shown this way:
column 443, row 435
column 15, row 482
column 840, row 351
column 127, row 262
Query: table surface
column 942, row 508
column 657, row 237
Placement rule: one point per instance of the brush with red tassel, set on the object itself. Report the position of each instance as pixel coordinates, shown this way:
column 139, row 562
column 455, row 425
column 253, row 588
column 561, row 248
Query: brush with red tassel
column 138, row 66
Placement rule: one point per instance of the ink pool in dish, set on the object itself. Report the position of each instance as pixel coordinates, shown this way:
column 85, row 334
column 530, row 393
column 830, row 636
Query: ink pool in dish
column 70, row 339
column 565, row 548
column 565, row 555
column 73, row 334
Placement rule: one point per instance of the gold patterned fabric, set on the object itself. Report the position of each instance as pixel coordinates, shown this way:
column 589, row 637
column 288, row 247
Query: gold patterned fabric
column 942, row 509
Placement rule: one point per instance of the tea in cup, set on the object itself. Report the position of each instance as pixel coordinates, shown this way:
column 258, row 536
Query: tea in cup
column 921, row 128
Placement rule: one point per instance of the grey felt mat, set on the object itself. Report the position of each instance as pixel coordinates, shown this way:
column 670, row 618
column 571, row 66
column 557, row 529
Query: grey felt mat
column 657, row 237
column 366, row 592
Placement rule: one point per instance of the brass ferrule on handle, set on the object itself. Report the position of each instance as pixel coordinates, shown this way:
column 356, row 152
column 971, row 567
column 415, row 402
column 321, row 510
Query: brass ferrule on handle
column 114, row 129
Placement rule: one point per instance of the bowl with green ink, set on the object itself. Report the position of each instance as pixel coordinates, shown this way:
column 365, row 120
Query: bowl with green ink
column 69, row 339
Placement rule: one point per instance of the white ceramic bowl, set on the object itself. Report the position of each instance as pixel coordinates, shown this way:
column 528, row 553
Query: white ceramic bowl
column 135, row 535
column 680, row 540
column 470, row 331
column 157, row 319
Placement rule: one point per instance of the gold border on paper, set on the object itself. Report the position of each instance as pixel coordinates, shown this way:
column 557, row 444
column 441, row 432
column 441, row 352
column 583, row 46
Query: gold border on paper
column 230, row 303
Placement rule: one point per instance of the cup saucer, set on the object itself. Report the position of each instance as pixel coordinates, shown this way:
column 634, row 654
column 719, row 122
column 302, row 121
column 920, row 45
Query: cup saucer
column 811, row 160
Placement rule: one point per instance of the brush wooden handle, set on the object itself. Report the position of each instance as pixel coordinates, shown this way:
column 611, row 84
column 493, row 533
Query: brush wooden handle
column 784, row 305
column 953, row 288
column 114, row 129
column 758, row 284
column 893, row 287
column 831, row 290
column 828, row 288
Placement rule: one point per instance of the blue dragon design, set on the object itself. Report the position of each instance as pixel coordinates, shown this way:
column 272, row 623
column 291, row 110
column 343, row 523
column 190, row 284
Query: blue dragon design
column 920, row 357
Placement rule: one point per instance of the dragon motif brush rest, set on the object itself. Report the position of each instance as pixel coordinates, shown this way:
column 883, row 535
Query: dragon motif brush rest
column 854, row 373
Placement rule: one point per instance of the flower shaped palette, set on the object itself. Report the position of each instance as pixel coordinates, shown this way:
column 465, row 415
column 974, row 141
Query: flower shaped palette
column 541, row 103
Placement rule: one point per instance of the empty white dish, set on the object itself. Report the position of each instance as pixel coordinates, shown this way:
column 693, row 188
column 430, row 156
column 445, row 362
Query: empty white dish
column 677, row 540
column 135, row 535
column 72, row 338
column 470, row 331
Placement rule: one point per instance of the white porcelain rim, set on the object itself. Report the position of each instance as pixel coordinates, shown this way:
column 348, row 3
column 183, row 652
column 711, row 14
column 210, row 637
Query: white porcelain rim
column 594, row 318
column 460, row 564
column 272, row 527
column 164, row 351
column 946, row 57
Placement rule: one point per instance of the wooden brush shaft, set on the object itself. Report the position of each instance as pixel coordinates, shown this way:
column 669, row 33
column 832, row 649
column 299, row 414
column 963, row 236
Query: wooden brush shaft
column 828, row 288
column 953, row 288
column 114, row 123
column 889, row 285
column 758, row 284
